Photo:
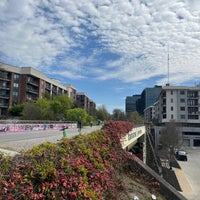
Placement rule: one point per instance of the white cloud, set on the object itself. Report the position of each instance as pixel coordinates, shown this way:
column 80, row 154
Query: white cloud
column 38, row 33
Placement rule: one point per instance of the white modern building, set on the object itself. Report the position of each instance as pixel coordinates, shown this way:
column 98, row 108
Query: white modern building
column 180, row 104
column 151, row 113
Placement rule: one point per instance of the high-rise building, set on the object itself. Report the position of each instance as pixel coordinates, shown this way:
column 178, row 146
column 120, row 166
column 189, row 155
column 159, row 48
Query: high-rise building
column 131, row 103
column 148, row 97
column 140, row 102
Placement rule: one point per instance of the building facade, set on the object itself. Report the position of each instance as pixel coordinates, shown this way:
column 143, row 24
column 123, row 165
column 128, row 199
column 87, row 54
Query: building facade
column 21, row 84
column 148, row 97
column 131, row 103
column 140, row 102
column 180, row 105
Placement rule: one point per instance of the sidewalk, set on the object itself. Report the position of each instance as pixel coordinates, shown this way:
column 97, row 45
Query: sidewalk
column 184, row 184
column 175, row 176
column 30, row 139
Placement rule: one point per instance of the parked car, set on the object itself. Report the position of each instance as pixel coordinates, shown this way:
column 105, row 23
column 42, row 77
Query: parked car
column 181, row 155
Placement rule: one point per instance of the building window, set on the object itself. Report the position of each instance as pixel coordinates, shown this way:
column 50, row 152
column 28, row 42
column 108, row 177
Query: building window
column 16, row 77
column 172, row 108
column 182, row 108
column 171, row 92
column 15, row 85
column 172, row 116
column 182, row 100
column 182, row 116
column 171, row 100
column 164, row 116
column 15, row 94
column 182, row 92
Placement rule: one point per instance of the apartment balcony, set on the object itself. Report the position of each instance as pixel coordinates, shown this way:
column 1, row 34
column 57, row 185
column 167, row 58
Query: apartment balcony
column 5, row 86
column 193, row 106
column 48, row 87
column 31, row 97
column 5, row 96
column 48, row 90
column 32, row 82
column 194, row 116
column 192, row 96
column 54, row 91
column 194, row 112
column 31, row 90
column 5, row 78
column 4, row 105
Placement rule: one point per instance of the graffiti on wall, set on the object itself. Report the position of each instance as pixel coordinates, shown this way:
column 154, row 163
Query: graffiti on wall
column 34, row 127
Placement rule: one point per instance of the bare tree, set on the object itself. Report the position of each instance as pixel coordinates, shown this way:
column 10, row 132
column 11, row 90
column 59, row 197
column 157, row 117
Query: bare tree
column 171, row 137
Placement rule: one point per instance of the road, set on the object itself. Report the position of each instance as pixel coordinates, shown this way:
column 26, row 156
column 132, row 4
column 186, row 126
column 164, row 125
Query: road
column 22, row 141
column 191, row 170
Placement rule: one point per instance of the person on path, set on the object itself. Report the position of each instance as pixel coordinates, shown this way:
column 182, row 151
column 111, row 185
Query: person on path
column 65, row 132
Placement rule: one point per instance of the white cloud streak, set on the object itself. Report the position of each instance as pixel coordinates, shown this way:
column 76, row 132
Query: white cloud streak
column 55, row 33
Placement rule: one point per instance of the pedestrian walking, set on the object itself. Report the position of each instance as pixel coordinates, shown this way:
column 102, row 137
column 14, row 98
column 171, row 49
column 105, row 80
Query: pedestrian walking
column 65, row 132
column 79, row 126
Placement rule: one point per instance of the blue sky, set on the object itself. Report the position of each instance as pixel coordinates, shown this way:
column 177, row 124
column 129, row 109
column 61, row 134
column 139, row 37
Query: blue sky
column 108, row 49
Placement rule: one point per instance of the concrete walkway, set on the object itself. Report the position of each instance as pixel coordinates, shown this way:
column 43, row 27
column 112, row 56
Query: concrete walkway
column 14, row 143
column 183, row 182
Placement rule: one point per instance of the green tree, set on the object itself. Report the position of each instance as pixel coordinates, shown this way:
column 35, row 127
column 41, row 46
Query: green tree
column 31, row 111
column 59, row 105
column 48, row 109
column 45, row 109
column 102, row 113
column 118, row 114
column 16, row 110
column 135, row 117
column 56, row 108
column 77, row 114
column 65, row 101
column 47, row 95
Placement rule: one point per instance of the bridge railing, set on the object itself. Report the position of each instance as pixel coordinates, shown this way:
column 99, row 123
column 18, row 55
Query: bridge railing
column 132, row 136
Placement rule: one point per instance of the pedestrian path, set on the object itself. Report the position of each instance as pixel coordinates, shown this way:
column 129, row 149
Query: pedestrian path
column 183, row 182
column 22, row 141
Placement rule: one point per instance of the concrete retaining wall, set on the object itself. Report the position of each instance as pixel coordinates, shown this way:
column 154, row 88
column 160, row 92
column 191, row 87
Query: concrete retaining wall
column 166, row 189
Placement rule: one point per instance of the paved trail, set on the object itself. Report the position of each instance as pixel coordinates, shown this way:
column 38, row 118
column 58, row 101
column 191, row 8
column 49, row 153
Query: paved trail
column 22, row 141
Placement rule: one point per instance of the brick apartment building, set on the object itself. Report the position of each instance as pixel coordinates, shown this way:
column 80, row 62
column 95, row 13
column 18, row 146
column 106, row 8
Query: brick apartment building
column 21, row 84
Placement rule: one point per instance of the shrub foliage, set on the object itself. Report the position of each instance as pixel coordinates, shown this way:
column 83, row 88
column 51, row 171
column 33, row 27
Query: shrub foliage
column 83, row 167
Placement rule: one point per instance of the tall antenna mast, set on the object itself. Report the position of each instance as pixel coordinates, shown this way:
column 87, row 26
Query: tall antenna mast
column 168, row 65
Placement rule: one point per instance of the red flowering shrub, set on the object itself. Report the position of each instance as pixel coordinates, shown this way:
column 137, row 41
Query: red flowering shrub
column 84, row 167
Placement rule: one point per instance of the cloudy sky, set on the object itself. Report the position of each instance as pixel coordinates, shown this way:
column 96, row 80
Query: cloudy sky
column 108, row 49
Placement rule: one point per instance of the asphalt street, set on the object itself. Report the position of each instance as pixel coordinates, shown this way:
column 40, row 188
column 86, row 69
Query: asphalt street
column 22, row 141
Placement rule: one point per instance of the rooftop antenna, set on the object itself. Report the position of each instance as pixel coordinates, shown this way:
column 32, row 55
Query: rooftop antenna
column 168, row 65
